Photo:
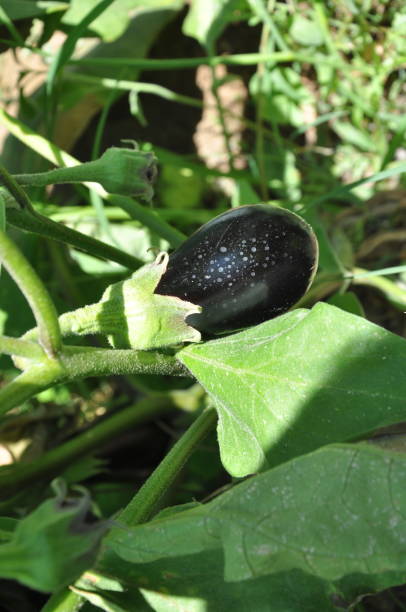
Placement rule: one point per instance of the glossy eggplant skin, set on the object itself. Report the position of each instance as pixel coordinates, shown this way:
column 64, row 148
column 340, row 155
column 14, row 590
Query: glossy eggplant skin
column 243, row 267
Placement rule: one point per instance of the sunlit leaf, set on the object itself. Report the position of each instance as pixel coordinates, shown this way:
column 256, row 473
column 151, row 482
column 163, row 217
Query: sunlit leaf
column 299, row 381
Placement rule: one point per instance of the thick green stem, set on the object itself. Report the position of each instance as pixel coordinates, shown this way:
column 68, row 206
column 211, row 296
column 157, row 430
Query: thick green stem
column 56, row 460
column 98, row 318
column 29, row 383
column 21, row 348
column 64, row 601
column 78, row 362
column 38, row 224
column 35, row 292
column 83, row 362
column 144, row 503
column 122, row 170
column 75, row 174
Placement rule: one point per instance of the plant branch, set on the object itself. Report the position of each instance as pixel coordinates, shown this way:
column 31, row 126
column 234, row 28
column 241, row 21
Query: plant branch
column 21, row 348
column 30, row 382
column 237, row 59
column 35, row 292
column 42, row 226
column 144, row 503
column 78, row 362
column 83, row 362
column 14, row 188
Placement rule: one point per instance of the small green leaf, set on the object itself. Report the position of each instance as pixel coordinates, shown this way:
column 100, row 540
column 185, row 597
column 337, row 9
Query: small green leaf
column 347, row 301
column 353, row 135
column 114, row 21
column 297, row 382
column 306, row 32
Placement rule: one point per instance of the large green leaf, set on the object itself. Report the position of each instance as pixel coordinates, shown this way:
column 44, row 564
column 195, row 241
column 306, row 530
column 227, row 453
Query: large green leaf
column 113, row 22
column 339, row 512
column 300, row 381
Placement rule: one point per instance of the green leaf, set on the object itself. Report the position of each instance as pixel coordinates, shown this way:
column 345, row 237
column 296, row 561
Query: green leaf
column 195, row 583
column 353, row 135
column 297, row 382
column 114, row 21
column 24, row 9
column 306, row 32
column 53, row 545
column 334, row 513
column 114, row 601
column 347, row 301
column 206, row 19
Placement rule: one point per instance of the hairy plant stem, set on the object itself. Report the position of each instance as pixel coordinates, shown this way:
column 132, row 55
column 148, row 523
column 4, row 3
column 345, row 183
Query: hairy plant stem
column 78, row 362
column 31, row 221
column 48, row 466
column 144, row 503
column 35, row 292
column 82, row 362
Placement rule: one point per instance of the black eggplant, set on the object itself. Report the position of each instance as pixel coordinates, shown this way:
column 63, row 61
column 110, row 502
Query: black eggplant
column 243, row 267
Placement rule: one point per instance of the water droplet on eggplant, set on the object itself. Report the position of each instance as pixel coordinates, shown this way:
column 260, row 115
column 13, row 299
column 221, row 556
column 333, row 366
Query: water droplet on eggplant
column 233, row 303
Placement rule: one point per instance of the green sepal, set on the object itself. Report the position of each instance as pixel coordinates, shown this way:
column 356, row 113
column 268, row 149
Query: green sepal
column 132, row 316
column 127, row 172
column 54, row 544
column 150, row 320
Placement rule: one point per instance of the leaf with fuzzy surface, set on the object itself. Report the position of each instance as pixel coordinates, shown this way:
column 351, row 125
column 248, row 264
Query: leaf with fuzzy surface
column 299, row 381
column 338, row 512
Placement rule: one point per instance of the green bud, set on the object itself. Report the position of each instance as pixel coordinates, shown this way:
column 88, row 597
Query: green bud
column 52, row 546
column 123, row 171
column 126, row 172
column 131, row 315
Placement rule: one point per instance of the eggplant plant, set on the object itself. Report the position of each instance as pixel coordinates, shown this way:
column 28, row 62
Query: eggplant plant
column 280, row 384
